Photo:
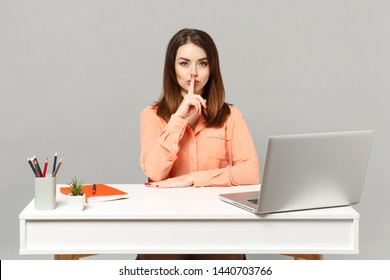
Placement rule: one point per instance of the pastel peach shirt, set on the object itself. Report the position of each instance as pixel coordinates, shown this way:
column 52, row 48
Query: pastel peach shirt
column 173, row 149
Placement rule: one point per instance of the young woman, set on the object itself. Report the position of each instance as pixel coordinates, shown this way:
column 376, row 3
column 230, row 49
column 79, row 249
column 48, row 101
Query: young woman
column 191, row 137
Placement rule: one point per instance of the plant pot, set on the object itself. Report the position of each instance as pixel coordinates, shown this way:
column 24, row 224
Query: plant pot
column 76, row 203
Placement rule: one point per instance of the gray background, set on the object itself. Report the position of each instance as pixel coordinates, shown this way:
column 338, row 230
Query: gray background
column 75, row 75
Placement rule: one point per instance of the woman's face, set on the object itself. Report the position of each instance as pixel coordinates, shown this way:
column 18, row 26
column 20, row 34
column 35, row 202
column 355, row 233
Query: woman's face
column 191, row 60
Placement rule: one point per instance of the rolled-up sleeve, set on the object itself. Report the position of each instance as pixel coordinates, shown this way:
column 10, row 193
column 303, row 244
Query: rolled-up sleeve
column 159, row 143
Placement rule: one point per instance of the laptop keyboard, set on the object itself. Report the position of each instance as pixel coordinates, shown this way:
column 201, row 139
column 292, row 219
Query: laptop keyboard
column 255, row 201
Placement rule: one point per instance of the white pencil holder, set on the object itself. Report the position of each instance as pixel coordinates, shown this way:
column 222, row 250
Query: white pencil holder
column 45, row 193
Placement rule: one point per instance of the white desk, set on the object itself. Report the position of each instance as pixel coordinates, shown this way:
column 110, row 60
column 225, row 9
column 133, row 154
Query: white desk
column 186, row 220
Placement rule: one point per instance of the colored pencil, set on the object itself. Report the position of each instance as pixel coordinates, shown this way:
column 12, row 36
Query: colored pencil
column 58, row 167
column 45, row 168
column 37, row 166
column 54, row 164
column 32, row 166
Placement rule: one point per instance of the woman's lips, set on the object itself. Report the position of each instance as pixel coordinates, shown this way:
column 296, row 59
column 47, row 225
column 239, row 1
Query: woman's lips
column 195, row 83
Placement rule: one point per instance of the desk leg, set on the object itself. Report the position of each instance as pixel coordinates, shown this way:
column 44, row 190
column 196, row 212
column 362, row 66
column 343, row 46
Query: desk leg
column 306, row 256
column 70, row 257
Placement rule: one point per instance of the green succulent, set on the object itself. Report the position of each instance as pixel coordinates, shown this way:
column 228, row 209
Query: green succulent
column 76, row 187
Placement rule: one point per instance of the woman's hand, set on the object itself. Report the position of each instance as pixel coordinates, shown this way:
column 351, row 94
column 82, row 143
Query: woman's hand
column 191, row 103
column 175, row 182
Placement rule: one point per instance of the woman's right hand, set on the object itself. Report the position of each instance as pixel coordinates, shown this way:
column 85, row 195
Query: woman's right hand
column 192, row 103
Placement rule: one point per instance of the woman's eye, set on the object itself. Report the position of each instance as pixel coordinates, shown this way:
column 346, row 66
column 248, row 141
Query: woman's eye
column 203, row 63
column 183, row 63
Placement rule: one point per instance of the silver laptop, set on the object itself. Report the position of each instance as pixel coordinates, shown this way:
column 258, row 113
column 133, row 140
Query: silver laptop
column 309, row 171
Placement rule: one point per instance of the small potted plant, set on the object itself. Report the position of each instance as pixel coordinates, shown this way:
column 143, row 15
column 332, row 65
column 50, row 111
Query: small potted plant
column 76, row 198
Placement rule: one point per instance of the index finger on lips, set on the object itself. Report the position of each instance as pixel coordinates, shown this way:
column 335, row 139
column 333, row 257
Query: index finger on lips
column 191, row 89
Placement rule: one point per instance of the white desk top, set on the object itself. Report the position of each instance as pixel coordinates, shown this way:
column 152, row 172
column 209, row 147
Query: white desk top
column 183, row 203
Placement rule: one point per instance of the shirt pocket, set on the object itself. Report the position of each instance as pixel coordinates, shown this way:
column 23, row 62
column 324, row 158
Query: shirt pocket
column 217, row 143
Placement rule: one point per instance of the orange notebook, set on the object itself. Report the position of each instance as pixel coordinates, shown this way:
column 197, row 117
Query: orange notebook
column 103, row 193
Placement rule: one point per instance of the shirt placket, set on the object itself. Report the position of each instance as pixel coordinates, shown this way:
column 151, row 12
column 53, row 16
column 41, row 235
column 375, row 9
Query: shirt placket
column 192, row 152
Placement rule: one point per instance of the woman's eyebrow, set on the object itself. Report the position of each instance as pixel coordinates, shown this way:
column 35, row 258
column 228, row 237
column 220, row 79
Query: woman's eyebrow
column 186, row 59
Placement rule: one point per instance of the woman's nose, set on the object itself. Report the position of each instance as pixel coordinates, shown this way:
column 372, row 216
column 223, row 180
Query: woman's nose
column 194, row 71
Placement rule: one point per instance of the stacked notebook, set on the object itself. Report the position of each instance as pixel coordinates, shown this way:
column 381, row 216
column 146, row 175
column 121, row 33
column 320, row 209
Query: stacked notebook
column 102, row 193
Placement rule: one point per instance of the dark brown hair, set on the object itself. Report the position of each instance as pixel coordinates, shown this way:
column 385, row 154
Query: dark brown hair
column 218, row 110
